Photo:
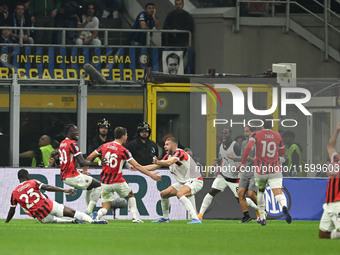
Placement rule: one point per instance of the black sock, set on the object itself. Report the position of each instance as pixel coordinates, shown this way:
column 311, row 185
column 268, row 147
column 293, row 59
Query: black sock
column 246, row 214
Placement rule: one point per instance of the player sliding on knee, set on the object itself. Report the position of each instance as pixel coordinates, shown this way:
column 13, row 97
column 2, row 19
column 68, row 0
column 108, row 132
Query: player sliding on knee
column 189, row 181
column 36, row 205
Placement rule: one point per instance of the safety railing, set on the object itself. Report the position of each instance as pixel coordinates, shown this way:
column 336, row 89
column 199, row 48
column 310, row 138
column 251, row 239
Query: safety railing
column 326, row 19
column 123, row 35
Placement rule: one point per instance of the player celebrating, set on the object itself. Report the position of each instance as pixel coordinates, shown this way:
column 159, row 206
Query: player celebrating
column 190, row 181
column 268, row 146
column 36, row 205
column 112, row 177
column 228, row 176
column 329, row 223
column 69, row 155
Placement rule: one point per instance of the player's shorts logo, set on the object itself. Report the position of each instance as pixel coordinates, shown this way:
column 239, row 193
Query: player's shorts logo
column 273, row 208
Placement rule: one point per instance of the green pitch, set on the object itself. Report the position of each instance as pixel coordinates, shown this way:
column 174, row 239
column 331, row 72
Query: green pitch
column 123, row 237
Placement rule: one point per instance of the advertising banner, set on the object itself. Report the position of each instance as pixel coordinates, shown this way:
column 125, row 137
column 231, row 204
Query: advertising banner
column 146, row 191
column 114, row 63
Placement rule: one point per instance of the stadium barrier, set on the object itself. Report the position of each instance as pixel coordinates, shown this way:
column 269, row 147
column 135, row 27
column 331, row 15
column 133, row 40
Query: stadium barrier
column 146, row 190
column 305, row 197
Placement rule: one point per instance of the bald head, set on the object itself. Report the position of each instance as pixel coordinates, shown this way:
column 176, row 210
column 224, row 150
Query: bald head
column 44, row 140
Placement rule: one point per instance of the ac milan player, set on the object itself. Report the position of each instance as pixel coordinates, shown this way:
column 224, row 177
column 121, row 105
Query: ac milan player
column 112, row 177
column 36, row 205
column 189, row 180
column 268, row 146
column 330, row 220
column 69, row 155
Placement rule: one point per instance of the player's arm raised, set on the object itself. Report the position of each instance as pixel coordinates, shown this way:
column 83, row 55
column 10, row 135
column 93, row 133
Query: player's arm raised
column 165, row 163
column 143, row 170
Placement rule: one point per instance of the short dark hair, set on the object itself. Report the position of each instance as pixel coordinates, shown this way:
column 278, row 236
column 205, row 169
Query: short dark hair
column 173, row 140
column 23, row 173
column 173, row 55
column 146, row 6
column 119, row 132
column 267, row 124
column 68, row 127
column 19, row 3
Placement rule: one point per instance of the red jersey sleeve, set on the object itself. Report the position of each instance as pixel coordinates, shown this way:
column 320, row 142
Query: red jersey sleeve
column 180, row 155
column 127, row 155
column 166, row 157
column 74, row 148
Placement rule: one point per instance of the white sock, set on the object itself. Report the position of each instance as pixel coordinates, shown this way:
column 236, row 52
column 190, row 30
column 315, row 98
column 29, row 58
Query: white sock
column 206, row 202
column 60, row 220
column 94, row 197
column 101, row 212
column 281, row 199
column 261, row 205
column 165, row 207
column 188, row 205
column 82, row 216
column 335, row 234
column 133, row 207
column 87, row 197
column 251, row 203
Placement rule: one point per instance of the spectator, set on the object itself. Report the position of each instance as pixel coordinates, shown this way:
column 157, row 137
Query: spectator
column 41, row 156
column 177, row 19
column 293, row 153
column 19, row 19
column 4, row 17
column 103, row 129
column 172, row 62
column 90, row 21
column 67, row 18
column 6, row 36
column 54, row 159
column 142, row 148
column 43, row 15
column 145, row 20
column 106, row 6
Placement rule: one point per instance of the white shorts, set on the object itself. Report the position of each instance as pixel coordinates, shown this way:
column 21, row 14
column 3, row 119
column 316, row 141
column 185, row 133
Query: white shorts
column 57, row 211
column 220, row 184
column 330, row 219
column 274, row 183
column 108, row 190
column 194, row 185
column 81, row 181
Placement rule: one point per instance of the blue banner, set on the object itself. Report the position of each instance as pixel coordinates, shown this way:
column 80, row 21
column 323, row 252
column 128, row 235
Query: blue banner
column 305, row 197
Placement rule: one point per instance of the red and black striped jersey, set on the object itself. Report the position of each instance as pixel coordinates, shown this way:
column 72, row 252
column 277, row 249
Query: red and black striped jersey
column 68, row 150
column 333, row 187
column 269, row 146
column 116, row 155
column 32, row 201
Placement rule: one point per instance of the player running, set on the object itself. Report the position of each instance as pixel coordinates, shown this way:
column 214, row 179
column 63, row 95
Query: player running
column 268, row 146
column 189, row 180
column 228, row 176
column 69, row 155
column 36, row 205
column 329, row 223
column 112, row 177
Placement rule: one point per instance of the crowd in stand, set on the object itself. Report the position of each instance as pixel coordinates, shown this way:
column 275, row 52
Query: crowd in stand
column 55, row 13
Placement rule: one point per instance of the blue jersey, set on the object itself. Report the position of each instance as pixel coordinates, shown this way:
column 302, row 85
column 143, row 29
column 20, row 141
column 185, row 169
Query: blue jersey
column 141, row 37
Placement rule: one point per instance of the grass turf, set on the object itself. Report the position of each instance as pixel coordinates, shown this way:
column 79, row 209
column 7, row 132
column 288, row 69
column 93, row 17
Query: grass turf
column 123, row 237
